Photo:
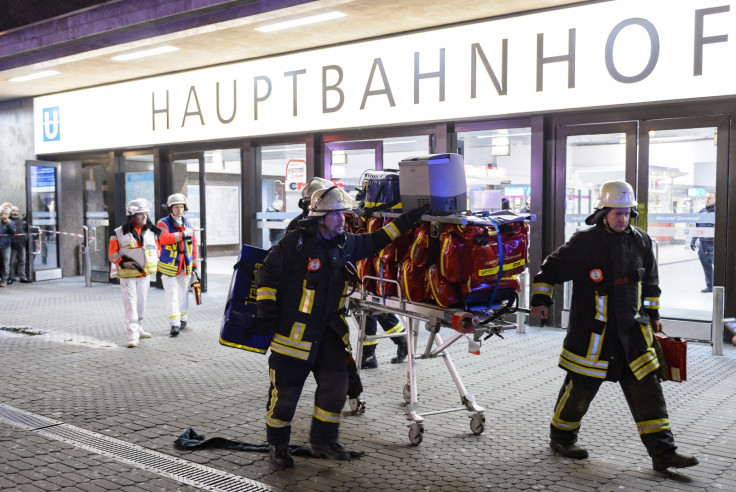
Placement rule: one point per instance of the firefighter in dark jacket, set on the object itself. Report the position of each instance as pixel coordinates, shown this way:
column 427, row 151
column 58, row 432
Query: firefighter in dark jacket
column 301, row 289
column 613, row 317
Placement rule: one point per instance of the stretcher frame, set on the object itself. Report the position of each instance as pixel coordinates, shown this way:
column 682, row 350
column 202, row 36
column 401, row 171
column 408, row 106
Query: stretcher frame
column 362, row 304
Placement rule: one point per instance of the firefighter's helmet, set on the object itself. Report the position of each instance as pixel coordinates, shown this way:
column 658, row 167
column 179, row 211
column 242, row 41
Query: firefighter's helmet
column 138, row 206
column 616, row 194
column 177, row 199
column 332, row 199
column 313, row 185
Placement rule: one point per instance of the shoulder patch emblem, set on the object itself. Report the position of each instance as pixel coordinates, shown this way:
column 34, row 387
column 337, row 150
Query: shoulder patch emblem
column 314, row 264
column 596, row 275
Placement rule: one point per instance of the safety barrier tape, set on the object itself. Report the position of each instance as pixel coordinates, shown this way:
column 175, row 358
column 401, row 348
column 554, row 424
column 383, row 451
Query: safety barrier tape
column 73, row 234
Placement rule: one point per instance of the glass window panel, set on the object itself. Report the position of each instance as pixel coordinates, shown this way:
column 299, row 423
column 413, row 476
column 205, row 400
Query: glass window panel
column 497, row 168
column 283, row 174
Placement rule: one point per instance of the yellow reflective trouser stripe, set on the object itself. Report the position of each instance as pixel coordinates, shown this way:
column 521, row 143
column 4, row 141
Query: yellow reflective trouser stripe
column 305, row 304
column 542, row 289
column 370, row 342
column 174, row 316
column 325, row 416
column 645, row 364
column 270, row 420
column 652, row 426
column 266, row 294
column 601, row 305
column 397, row 328
column 392, row 231
column 556, row 420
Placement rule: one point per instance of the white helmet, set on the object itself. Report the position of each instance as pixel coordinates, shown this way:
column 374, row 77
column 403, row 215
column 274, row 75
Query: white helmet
column 138, row 206
column 330, row 199
column 313, row 185
column 177, row 199
column 616, row 194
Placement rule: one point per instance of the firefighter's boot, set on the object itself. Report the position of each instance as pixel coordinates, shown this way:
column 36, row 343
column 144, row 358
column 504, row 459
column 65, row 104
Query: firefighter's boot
column 175, row 330
column 673, row 459
column 569, row 450
column 280, row 455
column 369, row 360
column 402, row 351
column 333, row 451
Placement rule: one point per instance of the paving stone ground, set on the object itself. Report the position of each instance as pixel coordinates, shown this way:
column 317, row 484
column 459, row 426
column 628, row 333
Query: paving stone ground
column 77, row 371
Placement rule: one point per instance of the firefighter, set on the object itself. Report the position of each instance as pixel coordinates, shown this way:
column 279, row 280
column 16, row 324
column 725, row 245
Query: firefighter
column 177, row 259
column 301, row 290
column 134, row 256
column 615, row 310
column 308, row 189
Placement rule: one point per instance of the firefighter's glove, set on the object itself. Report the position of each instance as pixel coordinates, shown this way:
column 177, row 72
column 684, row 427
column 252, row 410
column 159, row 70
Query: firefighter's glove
column 415, row 216
column 264, row 326
column 188, row 232
column 355, row 387
column 132, row 265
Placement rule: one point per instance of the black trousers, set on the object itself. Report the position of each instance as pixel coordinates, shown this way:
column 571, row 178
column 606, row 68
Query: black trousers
column 288, row 374
column 645, row 400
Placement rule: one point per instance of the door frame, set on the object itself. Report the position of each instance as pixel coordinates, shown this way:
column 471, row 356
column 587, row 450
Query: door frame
column 202, row 181
column 559, row 176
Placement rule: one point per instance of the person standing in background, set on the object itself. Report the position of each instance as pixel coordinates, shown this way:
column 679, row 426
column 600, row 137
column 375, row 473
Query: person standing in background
column 705, row 244
column 176, row 262
column 7, row 230
column 19, row 246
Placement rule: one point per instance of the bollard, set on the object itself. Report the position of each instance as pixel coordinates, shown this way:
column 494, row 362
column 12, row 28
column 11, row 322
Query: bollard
column 523, row 302
column 86, row 259
column 717, row 324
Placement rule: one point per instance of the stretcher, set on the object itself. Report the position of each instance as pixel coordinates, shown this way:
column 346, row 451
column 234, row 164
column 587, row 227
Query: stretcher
column 480, row 316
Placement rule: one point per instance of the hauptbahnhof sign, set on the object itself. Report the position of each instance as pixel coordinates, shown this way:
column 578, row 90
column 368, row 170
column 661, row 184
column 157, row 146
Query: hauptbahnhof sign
column 604, row 54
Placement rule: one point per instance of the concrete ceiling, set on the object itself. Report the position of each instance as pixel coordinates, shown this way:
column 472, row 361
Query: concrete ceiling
column 236, row 40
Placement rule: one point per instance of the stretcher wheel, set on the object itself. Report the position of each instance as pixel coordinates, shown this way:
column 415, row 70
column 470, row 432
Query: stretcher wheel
column 477, row 423
column 357, row 406
column 407, row 392
column 416, row 433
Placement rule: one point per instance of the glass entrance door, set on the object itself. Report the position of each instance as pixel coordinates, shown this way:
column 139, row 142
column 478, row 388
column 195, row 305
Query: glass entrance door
column 591, row 155
column 680, row 160
column 188, row 178
column 43, row 206
column 97, row 219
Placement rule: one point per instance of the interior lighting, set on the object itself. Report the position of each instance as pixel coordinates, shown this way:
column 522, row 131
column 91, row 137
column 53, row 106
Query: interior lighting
column 303, row 21
column 144, row 53
column 34, row 76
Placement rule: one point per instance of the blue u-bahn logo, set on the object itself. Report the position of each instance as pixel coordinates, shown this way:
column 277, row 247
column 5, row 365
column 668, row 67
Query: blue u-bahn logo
column 51, row 124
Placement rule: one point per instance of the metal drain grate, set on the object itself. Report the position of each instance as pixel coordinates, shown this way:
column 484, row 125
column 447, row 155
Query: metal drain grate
column 183, row 471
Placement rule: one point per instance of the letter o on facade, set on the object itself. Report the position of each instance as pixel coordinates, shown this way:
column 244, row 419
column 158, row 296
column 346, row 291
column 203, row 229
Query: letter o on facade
column 653, row 52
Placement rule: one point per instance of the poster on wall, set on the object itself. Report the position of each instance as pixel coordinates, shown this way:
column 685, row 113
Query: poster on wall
column 223, row 219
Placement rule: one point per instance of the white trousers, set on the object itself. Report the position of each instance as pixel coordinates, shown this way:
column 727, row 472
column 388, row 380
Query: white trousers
column 177, row 297
column 135, row 291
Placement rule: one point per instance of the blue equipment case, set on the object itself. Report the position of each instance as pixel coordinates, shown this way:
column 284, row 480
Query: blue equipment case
column 240, row 310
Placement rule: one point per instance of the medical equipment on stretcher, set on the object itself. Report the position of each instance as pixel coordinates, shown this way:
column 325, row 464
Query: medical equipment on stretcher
column 476, row 315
